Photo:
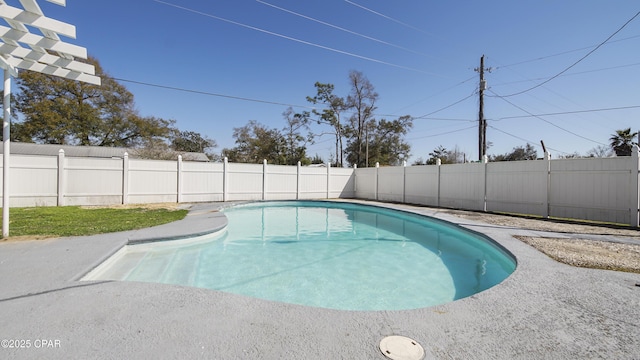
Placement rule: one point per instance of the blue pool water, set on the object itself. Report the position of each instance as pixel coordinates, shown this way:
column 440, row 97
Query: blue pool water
column 325, row 254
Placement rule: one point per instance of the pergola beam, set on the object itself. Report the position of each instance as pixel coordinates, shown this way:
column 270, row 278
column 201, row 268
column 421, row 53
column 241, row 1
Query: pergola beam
column 53, row 70
column 46, row 58
column 39, row 21
column 41, row 41
column 46, row 54
column 8, row 67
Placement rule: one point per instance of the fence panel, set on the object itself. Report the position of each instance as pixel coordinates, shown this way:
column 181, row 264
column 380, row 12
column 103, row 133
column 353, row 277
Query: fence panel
column 342, row 181
column 421, row 185
column 152, row 181
column 366, row 183
column 202, row 181
column 245, row 181
column 281, row 182
column 90, row 181
column 518, row 187
column 313, row 182
column 592, row 189
column 33, row 181
column 462, row 186
column 391, row 183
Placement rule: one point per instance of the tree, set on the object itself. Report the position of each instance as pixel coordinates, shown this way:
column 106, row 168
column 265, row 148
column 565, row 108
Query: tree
column 519, row 153
column 361, row 101
column 438, row 153
column 316, row 159
column 385, row 142
column 255, row 143
column 191, row 141
column 600, row 151
column 294, row 143
column 155, row 150
column 622, row 142
column 331, row 115
column 419, row 161
column 61, row 111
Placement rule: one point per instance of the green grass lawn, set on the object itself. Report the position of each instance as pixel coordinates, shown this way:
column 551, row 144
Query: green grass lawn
column 78, row 221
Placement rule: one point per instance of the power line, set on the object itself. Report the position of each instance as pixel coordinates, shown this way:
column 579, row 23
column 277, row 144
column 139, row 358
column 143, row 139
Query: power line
column 570, row 74
column 578, row 61
column 565, row 52
column 525, row 140
column 344, row 30
column 211, row 94
column 448, row 119
column 547, row 121
column 388, row 18
column 438, row 93
column 563, row 96
column 444, row 133
column 446, row 107
column 200, row 92
column 569, row 112
column 297, row 40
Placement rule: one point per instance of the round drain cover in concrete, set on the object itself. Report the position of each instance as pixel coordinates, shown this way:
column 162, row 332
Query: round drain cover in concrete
column 401, row 348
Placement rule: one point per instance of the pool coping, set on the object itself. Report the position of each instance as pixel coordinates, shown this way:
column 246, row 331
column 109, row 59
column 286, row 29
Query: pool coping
column 543, row 310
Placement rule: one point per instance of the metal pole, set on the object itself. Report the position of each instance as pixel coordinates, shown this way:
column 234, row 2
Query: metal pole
column 6, row 136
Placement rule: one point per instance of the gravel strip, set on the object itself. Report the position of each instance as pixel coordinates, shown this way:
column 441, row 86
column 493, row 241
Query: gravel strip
column 610, row 253
column 588, row 253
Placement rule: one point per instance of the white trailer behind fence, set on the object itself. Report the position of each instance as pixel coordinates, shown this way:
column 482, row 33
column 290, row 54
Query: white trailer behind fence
column 598, row 189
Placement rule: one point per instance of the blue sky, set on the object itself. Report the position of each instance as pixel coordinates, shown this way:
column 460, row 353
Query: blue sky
column 420, row 56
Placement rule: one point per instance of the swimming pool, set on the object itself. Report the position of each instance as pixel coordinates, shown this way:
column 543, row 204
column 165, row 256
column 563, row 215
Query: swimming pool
column 326, row 254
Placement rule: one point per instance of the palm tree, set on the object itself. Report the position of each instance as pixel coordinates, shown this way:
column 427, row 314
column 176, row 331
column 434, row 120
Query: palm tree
column 622, row 142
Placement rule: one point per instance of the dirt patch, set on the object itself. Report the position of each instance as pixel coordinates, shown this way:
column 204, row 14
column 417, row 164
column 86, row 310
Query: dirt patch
column 168, row 206
column 589, row 253
column 575, row 251
column 547, row 224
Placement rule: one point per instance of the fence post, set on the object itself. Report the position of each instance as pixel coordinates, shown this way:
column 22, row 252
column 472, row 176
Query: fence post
column 125, row 178
column 225, row 179
column 547, row 207
column 60, row 178
column 404, row 182
column 264, row 179
column 376, row 177
column 438, row 164
column 355, row 181
column 328, row 178
column 635, row 187
column 298, row 181
column 179, row 189
column 485, row 161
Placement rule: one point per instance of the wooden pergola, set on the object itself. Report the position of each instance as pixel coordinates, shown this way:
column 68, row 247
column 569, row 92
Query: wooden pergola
column 43, row 52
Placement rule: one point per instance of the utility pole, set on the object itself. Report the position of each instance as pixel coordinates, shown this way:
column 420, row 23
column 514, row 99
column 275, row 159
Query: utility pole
column 482, row 122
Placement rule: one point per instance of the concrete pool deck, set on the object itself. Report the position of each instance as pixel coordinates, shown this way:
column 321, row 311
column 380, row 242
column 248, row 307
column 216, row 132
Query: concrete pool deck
column 544, row 310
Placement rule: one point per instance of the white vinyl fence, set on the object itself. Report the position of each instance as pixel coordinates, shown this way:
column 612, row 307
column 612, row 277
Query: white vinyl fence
column 599, row 189
column 61, row 180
